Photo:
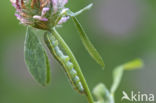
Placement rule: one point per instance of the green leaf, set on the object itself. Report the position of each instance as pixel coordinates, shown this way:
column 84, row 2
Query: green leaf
column 88, row 7
column 118, row 72
column 135, row 64
column 36, row 58
column 85, row 40
column 102, row 94
column 87, row 43
column 117, row 76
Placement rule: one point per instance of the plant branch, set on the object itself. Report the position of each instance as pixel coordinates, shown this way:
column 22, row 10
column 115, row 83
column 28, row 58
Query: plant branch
column 73, row 59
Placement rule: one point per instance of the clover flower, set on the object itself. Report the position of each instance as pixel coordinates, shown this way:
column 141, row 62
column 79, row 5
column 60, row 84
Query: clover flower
column 40, row 14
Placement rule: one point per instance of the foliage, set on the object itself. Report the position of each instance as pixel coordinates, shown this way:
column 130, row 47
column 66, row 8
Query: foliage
column 36, row 56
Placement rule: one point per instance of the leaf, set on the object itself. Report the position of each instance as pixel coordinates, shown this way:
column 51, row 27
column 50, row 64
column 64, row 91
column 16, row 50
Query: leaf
column 85, row 40
column 118, row 72
column 36, row 58
column 135, row 64
column 102, row 94
column 117, row 76
column 87, row 43
column 88, row 7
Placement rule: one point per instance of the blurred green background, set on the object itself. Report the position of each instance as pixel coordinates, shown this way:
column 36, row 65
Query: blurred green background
column 121, row 30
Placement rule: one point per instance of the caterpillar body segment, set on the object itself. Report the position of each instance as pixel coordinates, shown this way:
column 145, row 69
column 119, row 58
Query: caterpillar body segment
column 53, row 46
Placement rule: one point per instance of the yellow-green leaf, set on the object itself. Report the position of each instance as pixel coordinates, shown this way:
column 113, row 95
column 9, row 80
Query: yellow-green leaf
column 135, row 64
column 118, row 72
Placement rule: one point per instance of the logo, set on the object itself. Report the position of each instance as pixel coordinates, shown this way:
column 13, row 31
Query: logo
column 137, row 97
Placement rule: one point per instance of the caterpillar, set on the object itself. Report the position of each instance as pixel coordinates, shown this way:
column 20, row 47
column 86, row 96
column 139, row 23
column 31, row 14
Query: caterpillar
column 64, row 60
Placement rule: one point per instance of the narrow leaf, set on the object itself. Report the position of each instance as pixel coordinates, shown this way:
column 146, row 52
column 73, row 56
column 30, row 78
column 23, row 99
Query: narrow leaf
column 117, row 76
column 36, row 58
column 88, row 7
column 118, row 72
column 87, row 43
column 135, row 64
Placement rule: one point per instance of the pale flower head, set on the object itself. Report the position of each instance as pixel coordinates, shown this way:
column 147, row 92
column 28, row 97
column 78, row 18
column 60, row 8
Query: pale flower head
column 40, row 14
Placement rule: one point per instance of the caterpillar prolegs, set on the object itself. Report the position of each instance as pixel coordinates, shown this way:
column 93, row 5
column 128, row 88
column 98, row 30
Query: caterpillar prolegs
column 64, row 60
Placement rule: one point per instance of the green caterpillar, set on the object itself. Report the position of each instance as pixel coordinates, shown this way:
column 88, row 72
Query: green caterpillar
column 64, row 60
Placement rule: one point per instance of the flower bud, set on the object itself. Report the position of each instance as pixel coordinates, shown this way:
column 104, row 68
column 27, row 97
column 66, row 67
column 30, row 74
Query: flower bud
column 41, row 14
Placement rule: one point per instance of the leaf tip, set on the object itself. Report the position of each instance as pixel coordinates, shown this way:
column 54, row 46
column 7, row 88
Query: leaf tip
column 103, row 66
column 90, row 5
column 135, row 64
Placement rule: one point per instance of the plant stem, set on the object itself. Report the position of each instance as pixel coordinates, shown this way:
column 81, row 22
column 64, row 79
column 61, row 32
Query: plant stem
column 73, row 59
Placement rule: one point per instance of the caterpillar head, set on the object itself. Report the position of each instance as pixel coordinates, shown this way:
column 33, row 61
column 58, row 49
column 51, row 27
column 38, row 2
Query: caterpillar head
column 40, row 14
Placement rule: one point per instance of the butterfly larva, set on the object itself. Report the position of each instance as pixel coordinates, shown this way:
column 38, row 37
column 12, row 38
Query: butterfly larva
column 53, row 45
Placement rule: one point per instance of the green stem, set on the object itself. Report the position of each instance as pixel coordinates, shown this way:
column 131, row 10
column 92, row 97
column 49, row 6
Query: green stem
column 73, row 59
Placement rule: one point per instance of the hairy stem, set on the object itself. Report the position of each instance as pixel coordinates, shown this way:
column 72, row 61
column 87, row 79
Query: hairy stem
column 74, row 61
